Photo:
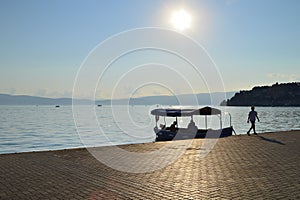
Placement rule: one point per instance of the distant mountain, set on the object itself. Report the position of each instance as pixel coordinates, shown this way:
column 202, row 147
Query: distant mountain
column 285, row 94
column 6, row 99
column 187, row 99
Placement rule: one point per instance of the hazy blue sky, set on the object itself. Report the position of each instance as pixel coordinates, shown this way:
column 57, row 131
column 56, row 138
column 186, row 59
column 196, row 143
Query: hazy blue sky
column 44, row 42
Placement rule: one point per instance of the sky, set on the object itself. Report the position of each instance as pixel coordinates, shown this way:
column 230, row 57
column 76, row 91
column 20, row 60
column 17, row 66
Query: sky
column 44, row 43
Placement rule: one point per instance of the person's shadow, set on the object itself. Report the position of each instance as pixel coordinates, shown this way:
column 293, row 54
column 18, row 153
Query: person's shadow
column 270, row 140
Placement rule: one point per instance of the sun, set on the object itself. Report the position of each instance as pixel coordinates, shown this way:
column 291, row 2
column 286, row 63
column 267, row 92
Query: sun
column 181, row 20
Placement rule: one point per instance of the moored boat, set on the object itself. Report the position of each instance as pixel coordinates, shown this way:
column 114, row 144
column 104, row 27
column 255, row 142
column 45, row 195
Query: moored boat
column 173, row 132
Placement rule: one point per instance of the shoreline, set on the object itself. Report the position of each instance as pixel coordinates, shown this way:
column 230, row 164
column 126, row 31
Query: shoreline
column 130, row 144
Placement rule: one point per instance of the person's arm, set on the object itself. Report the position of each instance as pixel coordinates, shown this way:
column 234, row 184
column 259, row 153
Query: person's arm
column 257, row 117
column 248, row 118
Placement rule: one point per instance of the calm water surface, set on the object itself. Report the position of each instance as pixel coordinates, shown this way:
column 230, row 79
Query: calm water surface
column 36, row 128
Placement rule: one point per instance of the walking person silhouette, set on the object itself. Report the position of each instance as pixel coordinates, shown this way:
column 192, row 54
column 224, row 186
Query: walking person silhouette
column 252, row 116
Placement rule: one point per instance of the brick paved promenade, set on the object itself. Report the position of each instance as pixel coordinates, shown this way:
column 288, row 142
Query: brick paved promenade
column 238, row 167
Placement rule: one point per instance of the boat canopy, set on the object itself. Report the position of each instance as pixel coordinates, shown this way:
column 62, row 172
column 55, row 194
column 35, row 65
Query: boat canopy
column 186, row 112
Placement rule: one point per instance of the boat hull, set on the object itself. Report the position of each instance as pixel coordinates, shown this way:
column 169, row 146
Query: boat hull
column 181, row 134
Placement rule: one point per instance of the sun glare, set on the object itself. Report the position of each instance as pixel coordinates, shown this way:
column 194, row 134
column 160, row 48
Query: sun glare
column 181, row 20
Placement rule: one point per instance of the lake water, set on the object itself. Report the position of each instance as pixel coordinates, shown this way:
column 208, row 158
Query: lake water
column 36, row 128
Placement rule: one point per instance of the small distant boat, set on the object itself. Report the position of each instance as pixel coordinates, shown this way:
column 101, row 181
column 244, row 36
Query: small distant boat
column 175, row 133
column 99, row 105
column 57, row 106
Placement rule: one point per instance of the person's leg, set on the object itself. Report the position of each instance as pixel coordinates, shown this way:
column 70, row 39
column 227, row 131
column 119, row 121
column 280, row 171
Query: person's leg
column 248, row 133
column 253, row 127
